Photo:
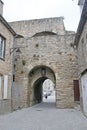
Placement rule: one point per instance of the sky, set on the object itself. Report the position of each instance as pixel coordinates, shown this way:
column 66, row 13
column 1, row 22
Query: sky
column 16, row 10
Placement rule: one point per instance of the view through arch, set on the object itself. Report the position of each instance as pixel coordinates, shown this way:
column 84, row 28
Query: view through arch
column 40, row 78
column 48, row 91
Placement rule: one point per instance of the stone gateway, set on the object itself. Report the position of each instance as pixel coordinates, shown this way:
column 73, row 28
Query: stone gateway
column 48, row 52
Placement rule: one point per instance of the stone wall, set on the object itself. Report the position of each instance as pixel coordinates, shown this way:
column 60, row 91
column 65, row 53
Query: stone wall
column 6, row 69
column 82, row 50
column 47, row 43
column 28, row 28
column 82, row 64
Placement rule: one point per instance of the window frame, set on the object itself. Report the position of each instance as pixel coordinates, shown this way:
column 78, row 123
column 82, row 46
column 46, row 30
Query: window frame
column 2, row 56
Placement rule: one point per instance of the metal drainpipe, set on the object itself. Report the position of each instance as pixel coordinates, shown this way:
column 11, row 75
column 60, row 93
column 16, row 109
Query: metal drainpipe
column 15, row 36
column 12, row 71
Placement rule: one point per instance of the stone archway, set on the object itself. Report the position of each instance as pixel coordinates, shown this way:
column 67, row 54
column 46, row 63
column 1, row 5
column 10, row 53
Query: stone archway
column 36, row 78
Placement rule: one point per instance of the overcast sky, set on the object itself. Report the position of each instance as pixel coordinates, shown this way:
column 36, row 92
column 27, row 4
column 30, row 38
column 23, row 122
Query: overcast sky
column 15, row 10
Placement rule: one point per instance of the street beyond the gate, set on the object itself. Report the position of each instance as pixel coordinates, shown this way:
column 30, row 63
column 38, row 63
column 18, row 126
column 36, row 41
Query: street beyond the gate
column 44, row 116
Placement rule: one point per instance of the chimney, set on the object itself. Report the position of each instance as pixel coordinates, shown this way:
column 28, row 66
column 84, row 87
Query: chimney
column 1, row 7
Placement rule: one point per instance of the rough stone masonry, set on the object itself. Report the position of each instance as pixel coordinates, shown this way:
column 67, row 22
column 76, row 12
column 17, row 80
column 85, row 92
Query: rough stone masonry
column 45, row 45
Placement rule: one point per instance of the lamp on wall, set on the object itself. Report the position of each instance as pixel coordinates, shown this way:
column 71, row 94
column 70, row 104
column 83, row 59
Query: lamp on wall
column 13, row 49
column 43, row 71
column 16, row 48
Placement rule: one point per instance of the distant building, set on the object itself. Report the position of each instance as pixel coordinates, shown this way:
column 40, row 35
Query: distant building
column 48, row 87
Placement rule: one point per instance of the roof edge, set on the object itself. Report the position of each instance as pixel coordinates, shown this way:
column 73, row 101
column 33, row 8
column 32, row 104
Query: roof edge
column 7, row 25
column 81, row 23
column 1, row 2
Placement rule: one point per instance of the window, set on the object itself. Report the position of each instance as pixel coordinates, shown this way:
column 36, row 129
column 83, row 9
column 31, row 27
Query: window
column 2, row 47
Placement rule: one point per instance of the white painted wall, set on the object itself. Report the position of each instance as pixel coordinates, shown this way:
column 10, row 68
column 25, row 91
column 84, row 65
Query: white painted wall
column 84, row 91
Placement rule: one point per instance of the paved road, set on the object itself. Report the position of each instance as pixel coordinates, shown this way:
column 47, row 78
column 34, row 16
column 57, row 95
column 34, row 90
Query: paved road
column 44, row 117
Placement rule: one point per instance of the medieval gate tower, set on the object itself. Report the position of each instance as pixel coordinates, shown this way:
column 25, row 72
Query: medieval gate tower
column 47, row 53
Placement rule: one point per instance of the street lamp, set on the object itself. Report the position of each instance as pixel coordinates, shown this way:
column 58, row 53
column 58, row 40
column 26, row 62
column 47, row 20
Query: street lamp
column 43, row 71
column 13, row 49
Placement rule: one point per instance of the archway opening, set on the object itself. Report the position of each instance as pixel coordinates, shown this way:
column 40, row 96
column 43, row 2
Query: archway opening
column 48, row 91
column 44, row 91
column 39, row 76
column 38, row 90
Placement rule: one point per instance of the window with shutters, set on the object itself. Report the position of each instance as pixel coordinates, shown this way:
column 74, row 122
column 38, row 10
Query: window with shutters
column 2, row 47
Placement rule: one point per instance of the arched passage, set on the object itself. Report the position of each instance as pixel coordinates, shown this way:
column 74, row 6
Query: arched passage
column 38, row 90
column 37, row 76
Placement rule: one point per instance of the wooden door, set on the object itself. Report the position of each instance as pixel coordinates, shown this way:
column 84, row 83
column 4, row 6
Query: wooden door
column 76, row 90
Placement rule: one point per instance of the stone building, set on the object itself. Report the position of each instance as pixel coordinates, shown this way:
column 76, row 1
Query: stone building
column 81, row 43
column 81, row 4
column 6, row 42
column 48, row 52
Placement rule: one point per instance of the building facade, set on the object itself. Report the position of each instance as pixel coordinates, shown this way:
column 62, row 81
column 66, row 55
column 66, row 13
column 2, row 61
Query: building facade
column 81, row 43
column 6, row 42
column 48, row 52
column 81, row 4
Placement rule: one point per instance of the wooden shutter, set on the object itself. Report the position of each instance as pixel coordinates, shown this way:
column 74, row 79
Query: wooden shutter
column 5, row 86
column 76, row 90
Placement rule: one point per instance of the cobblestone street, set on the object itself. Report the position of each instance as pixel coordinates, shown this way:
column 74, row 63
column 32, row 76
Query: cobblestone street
column 44, row 116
